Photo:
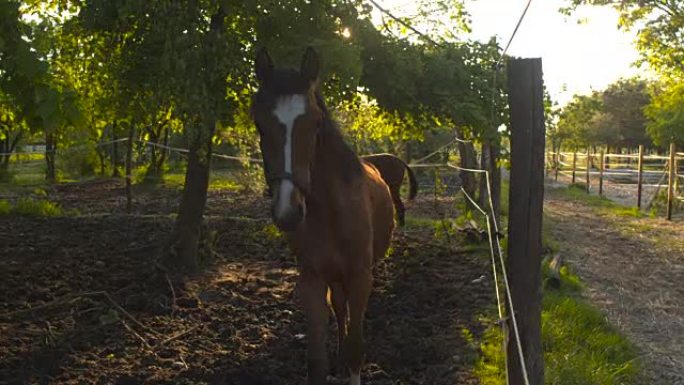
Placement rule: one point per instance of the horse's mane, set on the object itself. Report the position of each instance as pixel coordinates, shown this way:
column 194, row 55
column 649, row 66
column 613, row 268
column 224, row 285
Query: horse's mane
column 332, row 137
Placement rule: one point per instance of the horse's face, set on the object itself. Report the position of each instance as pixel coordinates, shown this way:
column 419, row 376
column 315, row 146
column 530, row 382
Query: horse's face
column 288, row 120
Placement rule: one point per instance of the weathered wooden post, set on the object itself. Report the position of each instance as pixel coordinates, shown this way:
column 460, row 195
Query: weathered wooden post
column 526, row 198
column 601, row 166
column 676, row 177
column 574, row 166
column 670, row 181
column 588, row 168
column 558, row 161
column 129, row 168
column 640, row 175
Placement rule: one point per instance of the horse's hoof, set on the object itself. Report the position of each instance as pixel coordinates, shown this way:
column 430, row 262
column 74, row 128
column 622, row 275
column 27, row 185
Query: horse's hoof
column 337, row 380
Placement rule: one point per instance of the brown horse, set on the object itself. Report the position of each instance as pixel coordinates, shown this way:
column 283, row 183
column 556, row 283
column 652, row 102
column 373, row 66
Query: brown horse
column 335, row 210
column 392, row 170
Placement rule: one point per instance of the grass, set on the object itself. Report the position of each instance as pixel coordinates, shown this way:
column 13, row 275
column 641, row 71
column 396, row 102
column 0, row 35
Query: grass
column 31, row 207
column 605, row 205
column 5, row 207
column 27, row 172
column 580, row 346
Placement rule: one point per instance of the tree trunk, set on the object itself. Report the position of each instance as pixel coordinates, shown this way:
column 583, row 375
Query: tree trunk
column 101, row 157
column 152, row 174
column 50, row 147
column 129, row 169
column 490, row 162
column 115, row 153
column 467, row 155
column 408, row 153
column 4, row 158
column 7, row 147
column 483, row 197
column 495, row 171
column 164, row 151
column 185, row 250
column 184, row 255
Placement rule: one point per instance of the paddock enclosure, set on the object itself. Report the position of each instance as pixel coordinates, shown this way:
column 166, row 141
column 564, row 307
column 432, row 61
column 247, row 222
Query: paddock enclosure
column 84, row 299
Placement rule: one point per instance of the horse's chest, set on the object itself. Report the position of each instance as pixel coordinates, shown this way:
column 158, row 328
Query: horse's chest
column 326, row 250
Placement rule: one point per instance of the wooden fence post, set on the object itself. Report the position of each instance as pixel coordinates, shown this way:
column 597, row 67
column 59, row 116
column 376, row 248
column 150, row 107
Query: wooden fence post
column 526, row 100
column 574, row 165
column 676, row 178
column 588, row 168
column 640, row 175
column 558, row 160
column 670, row 181
column 129, row 168
column 601, row 166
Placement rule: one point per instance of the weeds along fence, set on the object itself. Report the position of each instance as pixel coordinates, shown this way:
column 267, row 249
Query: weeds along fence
column 640, row 178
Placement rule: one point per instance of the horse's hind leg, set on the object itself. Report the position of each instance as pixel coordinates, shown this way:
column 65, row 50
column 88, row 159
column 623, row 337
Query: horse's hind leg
column 338, row 300
column 359, row 289
column 312, row 291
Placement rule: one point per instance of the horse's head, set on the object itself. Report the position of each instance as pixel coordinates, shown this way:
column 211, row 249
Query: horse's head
column 288, row 119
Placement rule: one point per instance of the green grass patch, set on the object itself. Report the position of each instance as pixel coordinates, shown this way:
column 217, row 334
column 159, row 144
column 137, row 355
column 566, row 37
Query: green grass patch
column 5, row 207
column 27, row 173
column 580, row 346
column 578, row 193
column 217, row 180
column 174, row 179
column 412, row 222
column 31, row 207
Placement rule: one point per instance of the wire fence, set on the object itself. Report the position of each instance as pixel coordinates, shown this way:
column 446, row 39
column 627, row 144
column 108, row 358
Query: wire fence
column 429, row 175
column 638, row 178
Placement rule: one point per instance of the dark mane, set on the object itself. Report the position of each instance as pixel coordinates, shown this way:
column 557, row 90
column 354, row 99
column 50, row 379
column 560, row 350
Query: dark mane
column 332, row 136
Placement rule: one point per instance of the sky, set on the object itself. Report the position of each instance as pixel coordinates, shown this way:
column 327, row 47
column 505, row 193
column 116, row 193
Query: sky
column 576, row 58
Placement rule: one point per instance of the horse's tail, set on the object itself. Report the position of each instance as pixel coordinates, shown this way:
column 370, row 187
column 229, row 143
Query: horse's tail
column 413, row 184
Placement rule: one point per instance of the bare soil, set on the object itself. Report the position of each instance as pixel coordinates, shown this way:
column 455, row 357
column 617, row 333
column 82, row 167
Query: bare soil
column 633, row 270
column 83, row 299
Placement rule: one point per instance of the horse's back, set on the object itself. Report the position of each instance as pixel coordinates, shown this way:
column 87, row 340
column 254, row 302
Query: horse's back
column 391, row 168
column 382, row 210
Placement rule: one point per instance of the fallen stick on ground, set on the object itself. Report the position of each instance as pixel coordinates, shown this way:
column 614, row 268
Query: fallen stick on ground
column 179, row 335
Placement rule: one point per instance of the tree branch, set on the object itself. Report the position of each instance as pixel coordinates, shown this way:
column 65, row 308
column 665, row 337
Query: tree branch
column 405, row 24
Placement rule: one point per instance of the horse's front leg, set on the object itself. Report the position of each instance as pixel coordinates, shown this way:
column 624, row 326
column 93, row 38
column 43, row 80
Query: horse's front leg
column 359, row 289
column 312, row 291
column 338, row 299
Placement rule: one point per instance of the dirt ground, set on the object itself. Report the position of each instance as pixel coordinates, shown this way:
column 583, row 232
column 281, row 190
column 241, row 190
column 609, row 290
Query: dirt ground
column 83, row 299
column 633, row 270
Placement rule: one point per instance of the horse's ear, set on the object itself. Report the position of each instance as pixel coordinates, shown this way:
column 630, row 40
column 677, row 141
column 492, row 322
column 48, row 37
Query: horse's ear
column 310, row 65
column 263, row 66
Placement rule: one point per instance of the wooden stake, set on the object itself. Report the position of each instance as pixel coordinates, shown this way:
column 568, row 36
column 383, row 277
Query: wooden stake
column 526, row 100
column 558, row 160
column 640, row 175
column 588, row 169
column 574, row 166
column 670, row 181
column 601, row 167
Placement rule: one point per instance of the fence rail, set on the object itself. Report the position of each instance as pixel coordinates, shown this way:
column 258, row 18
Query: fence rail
column 631, row 176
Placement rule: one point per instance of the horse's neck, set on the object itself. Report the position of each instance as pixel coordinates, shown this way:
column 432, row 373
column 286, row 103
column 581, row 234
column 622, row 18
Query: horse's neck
column 335, row 166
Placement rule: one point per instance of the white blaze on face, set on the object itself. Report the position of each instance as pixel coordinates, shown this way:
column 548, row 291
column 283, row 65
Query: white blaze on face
column 355, row 379
column 288, row 109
